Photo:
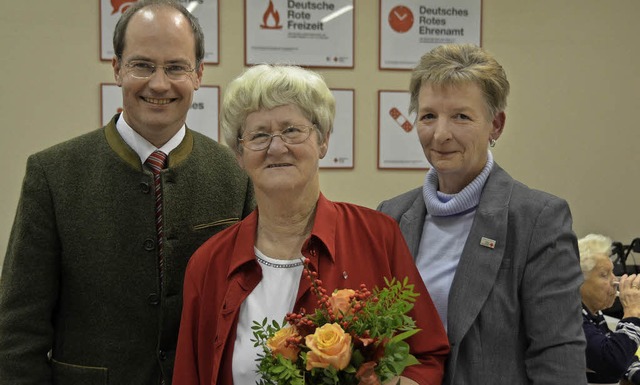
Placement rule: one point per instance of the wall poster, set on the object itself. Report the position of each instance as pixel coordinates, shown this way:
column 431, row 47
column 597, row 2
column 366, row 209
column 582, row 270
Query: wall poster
column 398, row 144
column 410, row 28
column 205, row 10
column 341, row 141
column 302, row 32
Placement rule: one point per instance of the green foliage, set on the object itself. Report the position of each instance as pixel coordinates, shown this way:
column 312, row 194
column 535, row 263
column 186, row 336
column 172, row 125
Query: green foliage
column 395, row 359
column 380, row 318
column 388, row 315
column 275, row 370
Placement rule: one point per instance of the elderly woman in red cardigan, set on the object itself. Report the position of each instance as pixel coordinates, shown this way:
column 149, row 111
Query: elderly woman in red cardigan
column 278, row 120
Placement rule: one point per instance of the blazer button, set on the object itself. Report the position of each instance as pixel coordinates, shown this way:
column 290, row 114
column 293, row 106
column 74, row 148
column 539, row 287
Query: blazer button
column 162, row 355
column 153, row 299
column 145, row 188
column 149, row 244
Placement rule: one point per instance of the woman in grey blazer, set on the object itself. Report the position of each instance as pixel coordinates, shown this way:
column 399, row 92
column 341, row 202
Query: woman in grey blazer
column 499, row 259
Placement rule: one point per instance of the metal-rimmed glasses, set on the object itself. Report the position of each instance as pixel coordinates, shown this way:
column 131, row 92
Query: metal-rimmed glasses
column 144, row 70
column 260, row 140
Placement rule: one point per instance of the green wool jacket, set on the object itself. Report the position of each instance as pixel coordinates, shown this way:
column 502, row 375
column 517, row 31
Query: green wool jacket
column 80, row 297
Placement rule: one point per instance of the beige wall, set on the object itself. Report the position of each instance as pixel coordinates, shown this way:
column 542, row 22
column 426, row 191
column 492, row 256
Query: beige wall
column 571, row 126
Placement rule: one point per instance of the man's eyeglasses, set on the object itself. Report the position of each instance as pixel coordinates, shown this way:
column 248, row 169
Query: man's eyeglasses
column 144, row 70
column 259, row 140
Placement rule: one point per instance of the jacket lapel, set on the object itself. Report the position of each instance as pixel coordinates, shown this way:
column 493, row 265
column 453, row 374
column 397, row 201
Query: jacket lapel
column 412, row 222
column 480, row 263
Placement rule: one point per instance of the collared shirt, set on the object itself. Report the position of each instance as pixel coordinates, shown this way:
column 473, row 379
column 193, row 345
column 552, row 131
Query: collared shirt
column 143, row 147
column 349, row 245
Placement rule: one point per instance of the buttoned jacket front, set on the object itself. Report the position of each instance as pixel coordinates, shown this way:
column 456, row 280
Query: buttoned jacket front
column 81, row 273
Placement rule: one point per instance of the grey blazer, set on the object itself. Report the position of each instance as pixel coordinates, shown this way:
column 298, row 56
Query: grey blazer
column 514, row 310
column 80, row 282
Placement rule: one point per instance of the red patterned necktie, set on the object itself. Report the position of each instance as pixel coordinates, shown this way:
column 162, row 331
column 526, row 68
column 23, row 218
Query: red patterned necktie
column 156, row 162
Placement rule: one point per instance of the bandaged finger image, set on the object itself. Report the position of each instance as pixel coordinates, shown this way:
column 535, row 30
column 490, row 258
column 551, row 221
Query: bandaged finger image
column 400, row 119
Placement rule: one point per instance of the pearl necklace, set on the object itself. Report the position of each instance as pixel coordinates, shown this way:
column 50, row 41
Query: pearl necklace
column 277, row 265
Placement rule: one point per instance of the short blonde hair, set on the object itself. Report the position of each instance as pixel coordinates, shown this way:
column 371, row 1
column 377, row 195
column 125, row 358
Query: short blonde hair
column 268, row 86
column 591, row 247
column 459, row 64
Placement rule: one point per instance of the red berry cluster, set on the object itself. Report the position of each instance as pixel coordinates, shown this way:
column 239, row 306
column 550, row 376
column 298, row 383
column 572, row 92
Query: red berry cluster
column 307, row 325
column 293, row 341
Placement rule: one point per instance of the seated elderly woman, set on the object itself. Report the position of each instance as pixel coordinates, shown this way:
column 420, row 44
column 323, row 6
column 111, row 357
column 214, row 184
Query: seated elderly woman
column 610, row 355
column 278, row 120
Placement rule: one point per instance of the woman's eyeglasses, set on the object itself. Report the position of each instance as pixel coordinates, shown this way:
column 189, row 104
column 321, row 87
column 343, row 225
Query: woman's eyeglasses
column 260, row 140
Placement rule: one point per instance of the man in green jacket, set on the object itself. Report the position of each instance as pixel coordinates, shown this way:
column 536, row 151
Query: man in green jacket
column 91, row 290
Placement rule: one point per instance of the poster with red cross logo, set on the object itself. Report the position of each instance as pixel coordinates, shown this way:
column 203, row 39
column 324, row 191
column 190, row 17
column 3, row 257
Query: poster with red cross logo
column 205, row 10
column 310, row 33
column 410, row 28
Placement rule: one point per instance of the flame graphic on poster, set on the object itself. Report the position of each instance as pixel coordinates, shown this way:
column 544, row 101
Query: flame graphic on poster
column 271, row 14
column 117, row 5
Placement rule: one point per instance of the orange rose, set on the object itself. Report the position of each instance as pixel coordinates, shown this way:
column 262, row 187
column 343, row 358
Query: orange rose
column 340, row 301
column 329, row 346
column 277, row 344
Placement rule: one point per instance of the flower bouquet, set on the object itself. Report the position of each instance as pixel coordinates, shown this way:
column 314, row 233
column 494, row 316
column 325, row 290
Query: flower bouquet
column 354, row 337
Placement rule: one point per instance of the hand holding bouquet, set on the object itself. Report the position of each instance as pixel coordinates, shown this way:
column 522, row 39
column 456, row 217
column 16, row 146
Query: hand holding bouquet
column 354, row 337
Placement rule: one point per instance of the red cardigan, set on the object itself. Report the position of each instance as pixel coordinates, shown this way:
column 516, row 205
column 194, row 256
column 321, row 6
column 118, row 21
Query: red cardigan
column 349, row 245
